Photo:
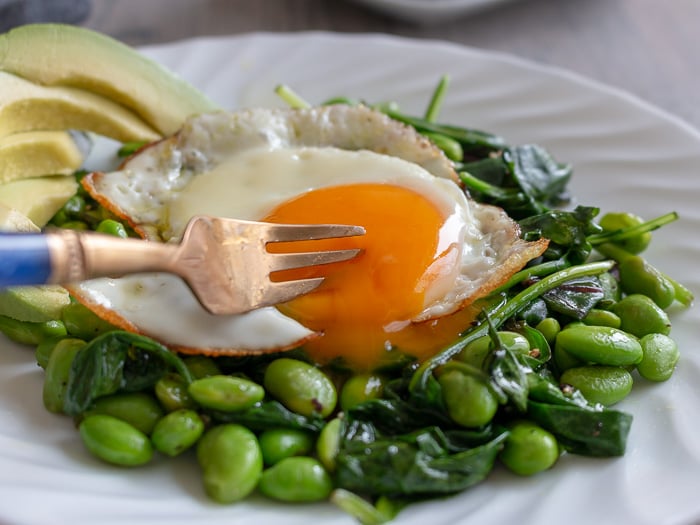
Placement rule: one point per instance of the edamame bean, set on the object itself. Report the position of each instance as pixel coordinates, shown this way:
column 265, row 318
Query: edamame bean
column 600, row 344
column 360, row 388
column 328, row 443
column 115, row 441
column 231, row 461
column 639, row 316
column 279, row 443
column 549, row 327
column 202, row 366
column 469, row 399
column 29, row 333
column 564, row 360
column 476, row 351
column 112, row 227
column 301, row 387
column 82, row 322
column 597, row 317
column 177, row 432
column 57, row 372
column 74, row 207
column 43, row 350
column 171, row 391
column 296, row 479
column 637, row 276
column 138, row 409
column 529, row 449
column 606, row 385
column 226, row 393
column 613, row 221
column 660, row 357
column 75, row 225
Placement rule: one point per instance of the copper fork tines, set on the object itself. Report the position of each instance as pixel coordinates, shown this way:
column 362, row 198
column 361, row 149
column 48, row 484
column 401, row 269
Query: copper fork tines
column 225, row 262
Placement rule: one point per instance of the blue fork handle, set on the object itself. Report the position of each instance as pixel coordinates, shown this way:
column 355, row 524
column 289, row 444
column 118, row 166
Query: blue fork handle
column 24, row 259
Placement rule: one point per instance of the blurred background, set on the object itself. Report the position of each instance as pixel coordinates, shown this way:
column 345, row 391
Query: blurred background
column 646, row 47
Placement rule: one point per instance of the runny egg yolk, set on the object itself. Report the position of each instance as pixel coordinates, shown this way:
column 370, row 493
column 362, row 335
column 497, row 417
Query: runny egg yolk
column 365, row 306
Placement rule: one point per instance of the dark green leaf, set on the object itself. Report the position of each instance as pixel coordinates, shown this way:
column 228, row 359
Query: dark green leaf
column 567, row 232
column 508, row 375
column 540, row 177
column 575, row 298
column 111, row 362
column 580, row 431
column 422, row 463
column 269, row 415
column 399, row 413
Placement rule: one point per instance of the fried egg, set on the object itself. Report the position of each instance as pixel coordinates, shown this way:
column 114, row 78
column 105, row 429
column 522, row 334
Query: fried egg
column 428, row 253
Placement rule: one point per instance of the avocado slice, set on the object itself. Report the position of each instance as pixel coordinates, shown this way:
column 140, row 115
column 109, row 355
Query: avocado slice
column 37, row 153
column 25, row 106
column 39, row 198
column 63, row 55
column 34, row 304
column 13, row 221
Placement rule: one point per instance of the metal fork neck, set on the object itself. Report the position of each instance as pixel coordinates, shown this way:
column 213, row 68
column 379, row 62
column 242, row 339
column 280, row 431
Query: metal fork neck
column 77, row 256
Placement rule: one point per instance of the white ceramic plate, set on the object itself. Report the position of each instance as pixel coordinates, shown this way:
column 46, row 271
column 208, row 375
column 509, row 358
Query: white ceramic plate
column 628, row 156
column 430, row 11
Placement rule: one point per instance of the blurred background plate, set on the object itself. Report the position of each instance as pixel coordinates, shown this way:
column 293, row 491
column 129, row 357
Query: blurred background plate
column 429, row 11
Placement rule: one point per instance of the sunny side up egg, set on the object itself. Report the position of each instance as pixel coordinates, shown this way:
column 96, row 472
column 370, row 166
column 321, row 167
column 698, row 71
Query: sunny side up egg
column 428, row 253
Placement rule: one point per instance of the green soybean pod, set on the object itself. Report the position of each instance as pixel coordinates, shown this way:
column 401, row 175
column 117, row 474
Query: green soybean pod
column 606, row 385
column 529, row 449
column 57, row 372
column 598, row 317
column 600, row 344
column 139, row 409
column 301, row 387
column 177, row 432
column 639, row 316
column 296, row 479
column 279, row 443
column 660, row 357
column 360, row 388
column 171, row 391
column 115, row 441
column 231, row 461
column 469, row 400
column 328, row 443
column 226, row 393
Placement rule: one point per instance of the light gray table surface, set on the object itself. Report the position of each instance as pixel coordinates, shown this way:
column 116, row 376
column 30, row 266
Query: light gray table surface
column 650, row 48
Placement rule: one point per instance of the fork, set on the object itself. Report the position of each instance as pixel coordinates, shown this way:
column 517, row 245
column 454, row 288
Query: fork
column 225, row 262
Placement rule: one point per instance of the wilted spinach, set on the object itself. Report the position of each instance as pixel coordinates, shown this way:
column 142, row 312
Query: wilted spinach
column 117, row 361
